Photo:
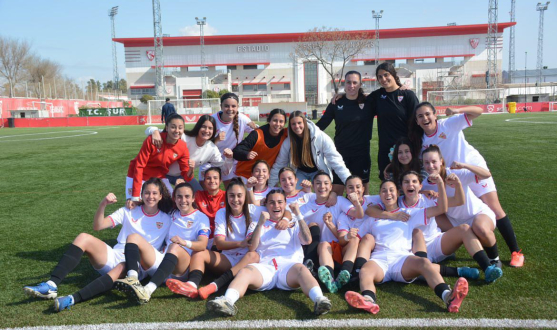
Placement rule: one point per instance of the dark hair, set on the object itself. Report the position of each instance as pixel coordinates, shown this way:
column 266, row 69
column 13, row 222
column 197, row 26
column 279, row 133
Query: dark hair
column 286, row 169
column 171, row 118
column 300, row 154
column 275, row 191
column 276, row 112
column 415, row 132
column 167, row 99
column 418, row 175
column 435, row 149
column 352, row 177
column 178, row 186
column 214, row 169
column 245, row 207
column 396, row 167
column 385, row 181
column 390, row 68
column 195, row 130
column 235, row 125
column 261, row 161
column 320, row 173
column 166, row 204
column 361, row 96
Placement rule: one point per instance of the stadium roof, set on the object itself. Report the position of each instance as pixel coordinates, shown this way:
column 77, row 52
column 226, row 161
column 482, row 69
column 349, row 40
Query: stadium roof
column 434, row 31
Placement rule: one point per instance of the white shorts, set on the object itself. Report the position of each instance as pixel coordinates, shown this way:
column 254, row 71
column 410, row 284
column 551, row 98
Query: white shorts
column 129, row 186
column 113, row 258
column 233, row 258
column 485, row 210
column 434, row 250
column 143, row 273
column 483, row 187
column 274, row 274
column 391, row 263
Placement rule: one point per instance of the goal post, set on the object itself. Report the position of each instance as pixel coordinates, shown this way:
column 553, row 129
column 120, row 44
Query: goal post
column 552, row 106
column 490, row 100
column 190, row 109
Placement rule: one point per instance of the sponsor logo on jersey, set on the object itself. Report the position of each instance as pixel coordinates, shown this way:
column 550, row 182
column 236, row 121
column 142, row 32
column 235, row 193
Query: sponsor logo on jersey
column 383, row 96
column 443, row 136
column 175, row 155
column 474, row 42
column 361, row 105
column 189, row 224
column 340, row 107
column 158, row 150
column 221, row 204
column 159, row 224
column 400, row 98
column 301, row 199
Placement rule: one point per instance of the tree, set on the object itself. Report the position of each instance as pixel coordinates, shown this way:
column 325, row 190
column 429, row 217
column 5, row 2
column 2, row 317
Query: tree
column 223, row 91
column 123, row 86
column 330, row 46
column 14, row 55
column 40, row 70
column 209, row 94
column 146, row 98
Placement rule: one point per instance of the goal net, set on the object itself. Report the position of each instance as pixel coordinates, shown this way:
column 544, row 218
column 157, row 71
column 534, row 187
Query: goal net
column 190, row 109
column 552, row 106
column 490, row 100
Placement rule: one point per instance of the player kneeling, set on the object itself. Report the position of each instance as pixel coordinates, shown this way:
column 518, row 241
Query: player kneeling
column 281, row 260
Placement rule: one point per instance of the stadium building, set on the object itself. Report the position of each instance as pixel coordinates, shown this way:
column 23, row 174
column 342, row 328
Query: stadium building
column 261, row 68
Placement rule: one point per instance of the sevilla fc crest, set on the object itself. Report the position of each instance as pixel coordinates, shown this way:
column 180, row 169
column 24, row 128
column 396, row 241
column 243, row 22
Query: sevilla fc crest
column 159, row 225
column 361, row 105
column 151, row 54
column 474, row 42
column 443, row 136
column 400, row 98
column 189, row 224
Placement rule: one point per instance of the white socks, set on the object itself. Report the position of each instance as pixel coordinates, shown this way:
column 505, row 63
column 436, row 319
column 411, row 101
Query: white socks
column 232, row 295
column 192, row 284
column 132, row 273
column 315, row 293
column 446, row 295
column 151, row 287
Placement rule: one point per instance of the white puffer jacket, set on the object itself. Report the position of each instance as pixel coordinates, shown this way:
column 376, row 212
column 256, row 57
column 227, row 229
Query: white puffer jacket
column 325, row 155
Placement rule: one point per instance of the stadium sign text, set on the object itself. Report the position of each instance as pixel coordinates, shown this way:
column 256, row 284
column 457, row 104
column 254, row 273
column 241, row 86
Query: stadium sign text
column 103, row 112
column 253, row 49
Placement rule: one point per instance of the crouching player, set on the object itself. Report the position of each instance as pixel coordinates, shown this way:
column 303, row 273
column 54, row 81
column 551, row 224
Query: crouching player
column 281, row 260
column 392, row 259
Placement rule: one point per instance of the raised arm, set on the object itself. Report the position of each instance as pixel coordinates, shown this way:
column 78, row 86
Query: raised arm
column 357, row 211
column 480, row 172
column 471, row 112
column 243, row 149
column 303, row 234
column 458, row 199
column 442, row 204
column 101, row 222
column 375, row 211
column 327, row 117
column 255, row 237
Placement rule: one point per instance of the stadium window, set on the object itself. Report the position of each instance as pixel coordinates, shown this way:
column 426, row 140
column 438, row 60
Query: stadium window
column 248, row 88
column 231, row 67
column 286, row 86
column 369, row 62
column 359, row 63
column 250, row 67
column 260, row 66
column 235, row 88
column 399, row 62
column 194, row 68
column 261, row 88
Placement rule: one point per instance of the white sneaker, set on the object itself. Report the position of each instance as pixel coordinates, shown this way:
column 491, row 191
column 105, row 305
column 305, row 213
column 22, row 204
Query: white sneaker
column 322, row 306
column 222, row 306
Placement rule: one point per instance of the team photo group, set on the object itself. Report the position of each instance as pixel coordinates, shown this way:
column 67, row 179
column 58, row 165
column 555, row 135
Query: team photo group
column 298, row 211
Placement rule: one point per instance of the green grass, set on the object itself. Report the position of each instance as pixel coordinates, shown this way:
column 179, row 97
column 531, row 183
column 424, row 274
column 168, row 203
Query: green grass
column 50, row 189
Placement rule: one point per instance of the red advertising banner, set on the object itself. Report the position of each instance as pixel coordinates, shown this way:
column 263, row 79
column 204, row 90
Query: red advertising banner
column 496, row 108
column 55, row 108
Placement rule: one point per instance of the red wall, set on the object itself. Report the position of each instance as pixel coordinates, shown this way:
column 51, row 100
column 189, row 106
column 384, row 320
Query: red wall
column 61, row 108
column 494, row 108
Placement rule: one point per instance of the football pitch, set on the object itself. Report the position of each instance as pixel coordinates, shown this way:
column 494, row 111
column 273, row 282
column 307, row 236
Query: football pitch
column 53, row 179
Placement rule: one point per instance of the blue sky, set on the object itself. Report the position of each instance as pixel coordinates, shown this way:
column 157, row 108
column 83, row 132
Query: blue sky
column 77, row 33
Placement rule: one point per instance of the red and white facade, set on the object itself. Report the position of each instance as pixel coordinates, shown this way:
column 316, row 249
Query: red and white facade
column 260, row 67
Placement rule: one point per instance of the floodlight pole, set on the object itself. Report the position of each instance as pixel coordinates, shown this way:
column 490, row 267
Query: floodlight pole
column 376, row 16
column 116, row 79
column 202, row 22
column 541, row 8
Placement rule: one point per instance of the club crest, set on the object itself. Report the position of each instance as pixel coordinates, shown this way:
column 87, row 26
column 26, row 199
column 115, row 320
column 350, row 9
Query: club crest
column 340, row 107
column 159, row 224
column 474, row 42
column 150, row 55
column 400, row 98
column 443, row 136
column 175, row 155
column 361, row 106
column 189, row 224
column 383, row 97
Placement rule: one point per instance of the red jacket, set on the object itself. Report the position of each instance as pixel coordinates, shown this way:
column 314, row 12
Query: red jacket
column 153, row 163
column 209, row 205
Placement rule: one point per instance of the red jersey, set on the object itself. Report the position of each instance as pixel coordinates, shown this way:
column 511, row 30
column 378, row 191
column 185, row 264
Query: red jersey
column 153, row 163
column 209, row 205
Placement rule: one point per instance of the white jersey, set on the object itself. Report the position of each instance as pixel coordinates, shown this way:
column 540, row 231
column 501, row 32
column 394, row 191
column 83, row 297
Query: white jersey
column 238, row 231
column 301, row 198
column 430, row 231
column 231, row 141
column 312, row 211
column 188, row 226
column 450, row 139
column 472, row 204
column 259, row 195
column 284, row 245
column 392, row 236
column 153, row 228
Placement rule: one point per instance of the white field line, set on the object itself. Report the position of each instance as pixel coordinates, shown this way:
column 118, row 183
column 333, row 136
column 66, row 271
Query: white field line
column 523, row 120
column 341, row 323
column 84, row 133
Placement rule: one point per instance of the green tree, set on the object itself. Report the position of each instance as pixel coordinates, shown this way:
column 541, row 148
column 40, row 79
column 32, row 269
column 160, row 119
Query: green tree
column 209, row 94
column 123, row 86
column 223, row 91
column 146, row 98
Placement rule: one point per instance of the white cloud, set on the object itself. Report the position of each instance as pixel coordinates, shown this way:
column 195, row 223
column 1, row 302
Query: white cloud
column 193, row 30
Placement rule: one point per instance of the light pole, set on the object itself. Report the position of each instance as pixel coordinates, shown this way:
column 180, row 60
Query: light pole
column 525, row 61
column 202, row 22
column 376, row 16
